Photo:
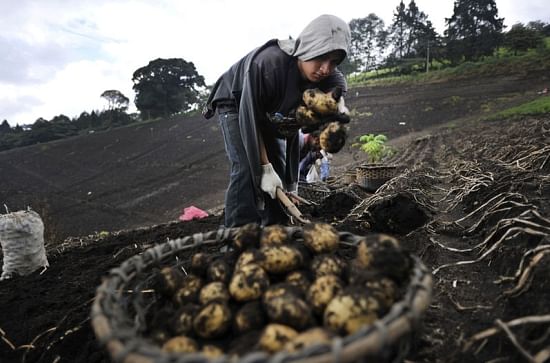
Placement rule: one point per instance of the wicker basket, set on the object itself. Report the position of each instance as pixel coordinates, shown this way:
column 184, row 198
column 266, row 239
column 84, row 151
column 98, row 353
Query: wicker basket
column 372, row 177
column 350, row 177
column 118, row 312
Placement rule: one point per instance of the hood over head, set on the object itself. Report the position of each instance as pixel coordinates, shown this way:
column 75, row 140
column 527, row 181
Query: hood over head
column 324, row 34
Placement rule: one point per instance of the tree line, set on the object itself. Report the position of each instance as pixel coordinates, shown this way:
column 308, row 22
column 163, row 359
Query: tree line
column 166, row 87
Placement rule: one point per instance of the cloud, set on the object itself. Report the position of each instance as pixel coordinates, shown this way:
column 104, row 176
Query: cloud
column 60, row 55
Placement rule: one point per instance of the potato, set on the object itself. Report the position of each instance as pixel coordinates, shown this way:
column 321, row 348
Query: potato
column 199, row 264
column 168, row 280
column 383, row 254
column 320, row 102
column 275, row 336
column 189, row 290
column 313, row 336
column 280, row 259
column 219, row 270
column 251, row 255
column 211, row 351
column 300, row 279
column 307, row 117
column 322, row 291
column 274, row 235
column 320, row 237
column 289, row 310
column 180, row 344
column 384, row 289
column 333, row 137
column 248, row 236
column 326, row 264
column 213, row 320
column 214, row 291
column 249, row 317
column 182, row 321
column 281, row 289
column 351, row 310
column 248, row 283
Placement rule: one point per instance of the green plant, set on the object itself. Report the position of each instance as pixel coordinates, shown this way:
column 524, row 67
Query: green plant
column 374, row 146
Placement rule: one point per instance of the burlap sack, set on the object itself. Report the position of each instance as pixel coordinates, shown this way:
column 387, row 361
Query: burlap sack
column 22, row 240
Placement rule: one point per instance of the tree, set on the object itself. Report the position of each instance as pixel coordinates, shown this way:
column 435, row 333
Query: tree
column 474, row 30
column 116, row 100
column 5, row 127
column 521, row 38
column 166, row 86
column 366, row 41
column 398, row 31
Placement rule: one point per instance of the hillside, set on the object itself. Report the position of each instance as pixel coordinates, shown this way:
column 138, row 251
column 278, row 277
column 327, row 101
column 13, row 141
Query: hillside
column 472, row 201
column 145, row 174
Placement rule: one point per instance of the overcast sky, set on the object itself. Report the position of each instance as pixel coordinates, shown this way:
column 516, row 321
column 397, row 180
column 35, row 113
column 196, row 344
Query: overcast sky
column 58, row 56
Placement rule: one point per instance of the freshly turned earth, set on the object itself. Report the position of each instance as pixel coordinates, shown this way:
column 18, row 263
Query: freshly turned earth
column 134, row 182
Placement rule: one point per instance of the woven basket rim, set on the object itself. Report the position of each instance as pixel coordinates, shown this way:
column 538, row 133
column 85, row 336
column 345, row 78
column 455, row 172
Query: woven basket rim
column 124, row 347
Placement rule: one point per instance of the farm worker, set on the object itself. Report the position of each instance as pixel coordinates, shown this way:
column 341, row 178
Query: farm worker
column 310, row 151
column 267, row 81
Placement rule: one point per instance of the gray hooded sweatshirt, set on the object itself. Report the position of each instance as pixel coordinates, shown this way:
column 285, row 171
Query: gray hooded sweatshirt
column 268, row 81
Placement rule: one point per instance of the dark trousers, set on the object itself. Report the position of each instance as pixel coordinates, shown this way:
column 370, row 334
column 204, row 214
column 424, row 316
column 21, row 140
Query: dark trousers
column 240, row 198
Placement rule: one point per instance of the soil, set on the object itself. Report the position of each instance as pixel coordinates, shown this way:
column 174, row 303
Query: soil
column 472, row 201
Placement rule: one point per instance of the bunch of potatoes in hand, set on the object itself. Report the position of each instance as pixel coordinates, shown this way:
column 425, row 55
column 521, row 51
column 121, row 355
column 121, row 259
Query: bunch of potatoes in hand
column 325, row 111
column 272, row 291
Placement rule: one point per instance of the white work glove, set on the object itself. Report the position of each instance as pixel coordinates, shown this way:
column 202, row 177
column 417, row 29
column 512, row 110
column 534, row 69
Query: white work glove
column 270, row 180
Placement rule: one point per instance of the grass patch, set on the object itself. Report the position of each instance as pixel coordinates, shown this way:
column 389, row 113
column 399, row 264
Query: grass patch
column 539, row 106
column 535, row 61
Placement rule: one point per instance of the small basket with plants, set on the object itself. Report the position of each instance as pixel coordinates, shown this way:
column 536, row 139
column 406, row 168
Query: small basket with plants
column 373, row 174
column 271, row 294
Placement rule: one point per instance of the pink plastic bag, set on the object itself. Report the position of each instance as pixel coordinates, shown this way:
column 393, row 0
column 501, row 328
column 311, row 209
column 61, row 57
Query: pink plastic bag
column 191, row 213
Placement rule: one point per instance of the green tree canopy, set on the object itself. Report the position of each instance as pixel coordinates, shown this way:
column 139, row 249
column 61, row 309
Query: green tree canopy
column 5, row 127
column 367, row 36
column 521, row 38
column 116, row 99
column 474, row 30
column 166, row 86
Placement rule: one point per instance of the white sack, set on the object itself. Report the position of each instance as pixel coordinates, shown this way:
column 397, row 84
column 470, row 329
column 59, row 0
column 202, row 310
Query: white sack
column 22, row 240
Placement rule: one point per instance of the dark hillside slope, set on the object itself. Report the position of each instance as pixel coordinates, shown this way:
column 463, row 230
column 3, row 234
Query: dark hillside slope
column 146, row 174
column 128, row 177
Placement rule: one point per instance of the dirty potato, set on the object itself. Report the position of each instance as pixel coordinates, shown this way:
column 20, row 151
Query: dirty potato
column 180, row 344
column 289, row 310
column 212, row 320
column 300, row 279
column 322, row 291
column 348, row 312
column 274, row 235
column 189, row 290
column 251, row 255
column 211, row 351
column 199, row 264
column 313, row 336
column 281, row 289
column 248, row 283
column 275, row 336
column 219, row 270
column 333, row 137
column 214, row 291
column 383, row 254
column 182, row 322
column 248, row 236
column 320, row 102
column 307, row 117
column 328, row 264
column 168, row 280
column 278, row 259
column 249, row 317
column 321, row 237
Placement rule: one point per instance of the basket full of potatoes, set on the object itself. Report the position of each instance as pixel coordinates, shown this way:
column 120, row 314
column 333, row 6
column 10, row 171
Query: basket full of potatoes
column 263, row 294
